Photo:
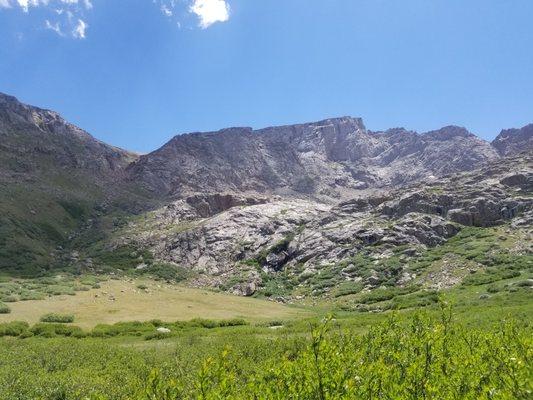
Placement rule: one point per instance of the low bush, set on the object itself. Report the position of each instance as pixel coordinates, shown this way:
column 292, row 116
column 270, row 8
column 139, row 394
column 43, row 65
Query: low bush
column 489, row 276
column 378, row 295
column 15, row 328
column 396, row 356
column 419, row 299
column 57, row 318
column 416, row 359
column 49, row 330
column 494, row 288
column 158, row 335
column 4, row 309
column 525, row 283
column 347, row 288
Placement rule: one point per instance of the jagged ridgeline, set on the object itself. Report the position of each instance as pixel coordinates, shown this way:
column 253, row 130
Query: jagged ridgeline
column 327, row 208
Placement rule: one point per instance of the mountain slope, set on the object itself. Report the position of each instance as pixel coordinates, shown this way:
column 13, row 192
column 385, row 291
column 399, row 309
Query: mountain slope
column 330, row 159
column 52, row 176
column 247, row 210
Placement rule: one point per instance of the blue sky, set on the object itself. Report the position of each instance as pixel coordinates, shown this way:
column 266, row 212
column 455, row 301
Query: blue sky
column 136, row 72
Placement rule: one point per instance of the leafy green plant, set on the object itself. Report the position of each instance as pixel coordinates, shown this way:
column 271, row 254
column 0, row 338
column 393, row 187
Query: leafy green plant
column 15, row 328
column 58, row 318
column 4, row 309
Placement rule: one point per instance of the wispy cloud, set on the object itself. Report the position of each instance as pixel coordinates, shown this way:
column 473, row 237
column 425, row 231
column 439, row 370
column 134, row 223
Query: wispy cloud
column 53, row 26
column 68, row 17
column 62, row 15
column 79, row 30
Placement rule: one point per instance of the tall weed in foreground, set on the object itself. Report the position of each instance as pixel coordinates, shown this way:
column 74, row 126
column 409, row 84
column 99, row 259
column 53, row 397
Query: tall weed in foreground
column 418, row 358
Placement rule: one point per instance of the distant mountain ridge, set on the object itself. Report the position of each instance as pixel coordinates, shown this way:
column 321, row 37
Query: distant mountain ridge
column 331, row 159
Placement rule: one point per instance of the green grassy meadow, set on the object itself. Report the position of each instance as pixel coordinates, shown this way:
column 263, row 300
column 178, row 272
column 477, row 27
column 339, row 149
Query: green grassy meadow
column 148, row 336
column 465, row 346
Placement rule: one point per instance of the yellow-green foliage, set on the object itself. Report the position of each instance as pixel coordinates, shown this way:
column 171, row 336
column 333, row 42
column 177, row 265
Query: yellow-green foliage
column 421, row 359
column 404, row 357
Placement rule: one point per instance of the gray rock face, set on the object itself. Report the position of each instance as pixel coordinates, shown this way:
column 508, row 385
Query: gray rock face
column 330, row 159
column 514, row 141
column 303, row 236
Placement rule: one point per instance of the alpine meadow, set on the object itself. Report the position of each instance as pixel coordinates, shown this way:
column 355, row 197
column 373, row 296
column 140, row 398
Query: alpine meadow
column 320, row 260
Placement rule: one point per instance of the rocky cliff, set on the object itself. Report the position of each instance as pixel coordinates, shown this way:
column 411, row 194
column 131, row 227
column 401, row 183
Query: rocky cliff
column 302, row 237
column 328, row 160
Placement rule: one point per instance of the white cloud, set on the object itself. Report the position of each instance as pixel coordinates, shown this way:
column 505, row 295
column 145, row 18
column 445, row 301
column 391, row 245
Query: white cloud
column 79, row 30
column 68, row 17
column 25, row 5
column 54, row 27
column 166, row 10
column 210, row 11
column 62, row 15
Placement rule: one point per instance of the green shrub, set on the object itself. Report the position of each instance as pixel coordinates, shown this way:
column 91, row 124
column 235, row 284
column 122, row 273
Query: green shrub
column 378, row 295
column 134, row 328
column 489, row 276
column 158, row 335
column 49, row 330
column 24, row 296
column 10, row 299
column 419, row 299
column 15, row 328
column 414, row 359
column 232, row 322
column 4, row 309
column 124, row 257
column 524, row 283
column 494, row 288
column 26, row 334
column 57, row 318
column 204, row 323
column 347, row 288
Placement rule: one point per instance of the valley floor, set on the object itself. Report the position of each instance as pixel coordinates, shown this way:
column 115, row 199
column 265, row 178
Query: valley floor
column 143, row 300
column 481, row 347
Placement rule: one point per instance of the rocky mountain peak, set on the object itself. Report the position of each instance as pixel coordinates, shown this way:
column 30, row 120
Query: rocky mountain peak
column 329, row 159
column 30, row 134
column 450, row 132
column 514, row 141
column 13, row 113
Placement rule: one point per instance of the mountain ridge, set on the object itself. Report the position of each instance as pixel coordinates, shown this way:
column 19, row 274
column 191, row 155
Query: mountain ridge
column 68, row 200
column 342, row 144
